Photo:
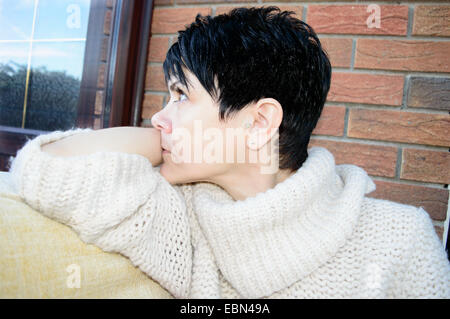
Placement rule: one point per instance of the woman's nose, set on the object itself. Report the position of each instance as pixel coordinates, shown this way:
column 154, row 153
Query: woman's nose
column 160, row 122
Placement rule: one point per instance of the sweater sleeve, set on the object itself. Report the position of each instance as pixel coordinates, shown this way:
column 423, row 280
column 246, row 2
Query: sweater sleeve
column 427, row 273
column 116, row 201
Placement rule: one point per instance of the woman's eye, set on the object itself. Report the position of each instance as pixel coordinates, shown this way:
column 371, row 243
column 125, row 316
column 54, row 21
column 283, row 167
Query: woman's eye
column 182, row 96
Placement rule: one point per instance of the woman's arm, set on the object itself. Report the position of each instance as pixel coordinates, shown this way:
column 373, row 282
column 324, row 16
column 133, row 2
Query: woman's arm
column 101, row 186
column 126, row 139
column 427, row 273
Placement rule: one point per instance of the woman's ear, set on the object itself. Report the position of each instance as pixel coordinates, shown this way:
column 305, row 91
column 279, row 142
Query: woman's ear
column 268, row 115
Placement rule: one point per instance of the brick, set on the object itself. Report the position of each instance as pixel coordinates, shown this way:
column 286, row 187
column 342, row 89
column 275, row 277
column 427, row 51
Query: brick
column 210, row 1
column 366, row 88
column 310, row 1
column 433, row 200
column 171, row 20
column 154, row 79
column 355, row 19
column 431, row 20
column 331, row 121
column 374, row 159
column 298, row 9
column 99, row 96
column 107, row 22
column 400, row 126
column 439, row 232
column 431, row 93
column 163, row 2
column 402, row 55
column 101, row 78
column 426, row 166
column 158, row 48
column 152, row 103
column 339, row 51
column 104, row 49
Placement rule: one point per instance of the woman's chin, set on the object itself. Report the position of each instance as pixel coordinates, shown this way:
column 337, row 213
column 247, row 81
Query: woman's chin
column 182, row 174
column 166, row 172
column 171, row 174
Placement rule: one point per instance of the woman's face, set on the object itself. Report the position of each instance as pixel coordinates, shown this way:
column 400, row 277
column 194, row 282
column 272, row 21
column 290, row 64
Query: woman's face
column 201, row 147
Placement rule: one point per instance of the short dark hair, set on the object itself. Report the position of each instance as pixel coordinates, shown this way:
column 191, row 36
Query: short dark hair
column 255, row 53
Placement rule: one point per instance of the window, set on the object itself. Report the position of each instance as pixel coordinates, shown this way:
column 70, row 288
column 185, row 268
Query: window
column 59, row 66
column 42, row 45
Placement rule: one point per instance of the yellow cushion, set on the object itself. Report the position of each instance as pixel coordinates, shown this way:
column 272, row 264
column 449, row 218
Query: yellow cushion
column 41, row 258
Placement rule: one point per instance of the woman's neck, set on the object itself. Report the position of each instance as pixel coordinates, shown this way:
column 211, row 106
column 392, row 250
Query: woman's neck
column 244, row 182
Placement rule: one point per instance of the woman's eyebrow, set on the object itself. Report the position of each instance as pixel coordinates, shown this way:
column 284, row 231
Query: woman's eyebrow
column 173, row 85
column 176, row 85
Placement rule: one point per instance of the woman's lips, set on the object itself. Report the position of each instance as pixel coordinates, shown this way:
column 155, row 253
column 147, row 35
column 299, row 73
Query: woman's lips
column 165, row 151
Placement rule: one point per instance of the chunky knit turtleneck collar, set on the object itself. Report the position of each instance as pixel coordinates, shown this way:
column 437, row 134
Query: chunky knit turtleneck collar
column 269, row 241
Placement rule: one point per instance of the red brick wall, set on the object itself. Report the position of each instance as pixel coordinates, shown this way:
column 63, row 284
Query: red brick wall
column 388, row 107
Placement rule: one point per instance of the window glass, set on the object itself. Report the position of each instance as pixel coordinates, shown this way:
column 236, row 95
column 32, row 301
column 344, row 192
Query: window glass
column 42, row 44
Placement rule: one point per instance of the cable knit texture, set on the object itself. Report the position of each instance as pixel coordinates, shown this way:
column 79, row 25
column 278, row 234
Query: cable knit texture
column 315, row 235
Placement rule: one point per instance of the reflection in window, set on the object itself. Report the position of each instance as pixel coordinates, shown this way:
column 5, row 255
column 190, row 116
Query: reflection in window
column 42, row 45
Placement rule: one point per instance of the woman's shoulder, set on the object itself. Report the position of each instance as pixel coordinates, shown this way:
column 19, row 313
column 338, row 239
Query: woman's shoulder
column 391, row 210
column 389, row 220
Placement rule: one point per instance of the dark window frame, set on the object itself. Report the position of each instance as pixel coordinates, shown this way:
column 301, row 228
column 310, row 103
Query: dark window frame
column 124, row 76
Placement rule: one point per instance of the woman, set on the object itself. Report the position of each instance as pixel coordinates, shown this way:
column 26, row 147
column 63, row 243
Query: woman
column 222, row 198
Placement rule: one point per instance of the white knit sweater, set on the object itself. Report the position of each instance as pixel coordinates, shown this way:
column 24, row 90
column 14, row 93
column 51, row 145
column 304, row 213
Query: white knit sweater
column 315, row 235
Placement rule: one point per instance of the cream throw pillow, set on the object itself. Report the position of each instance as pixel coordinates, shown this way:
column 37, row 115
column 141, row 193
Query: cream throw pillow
column 41, row 258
